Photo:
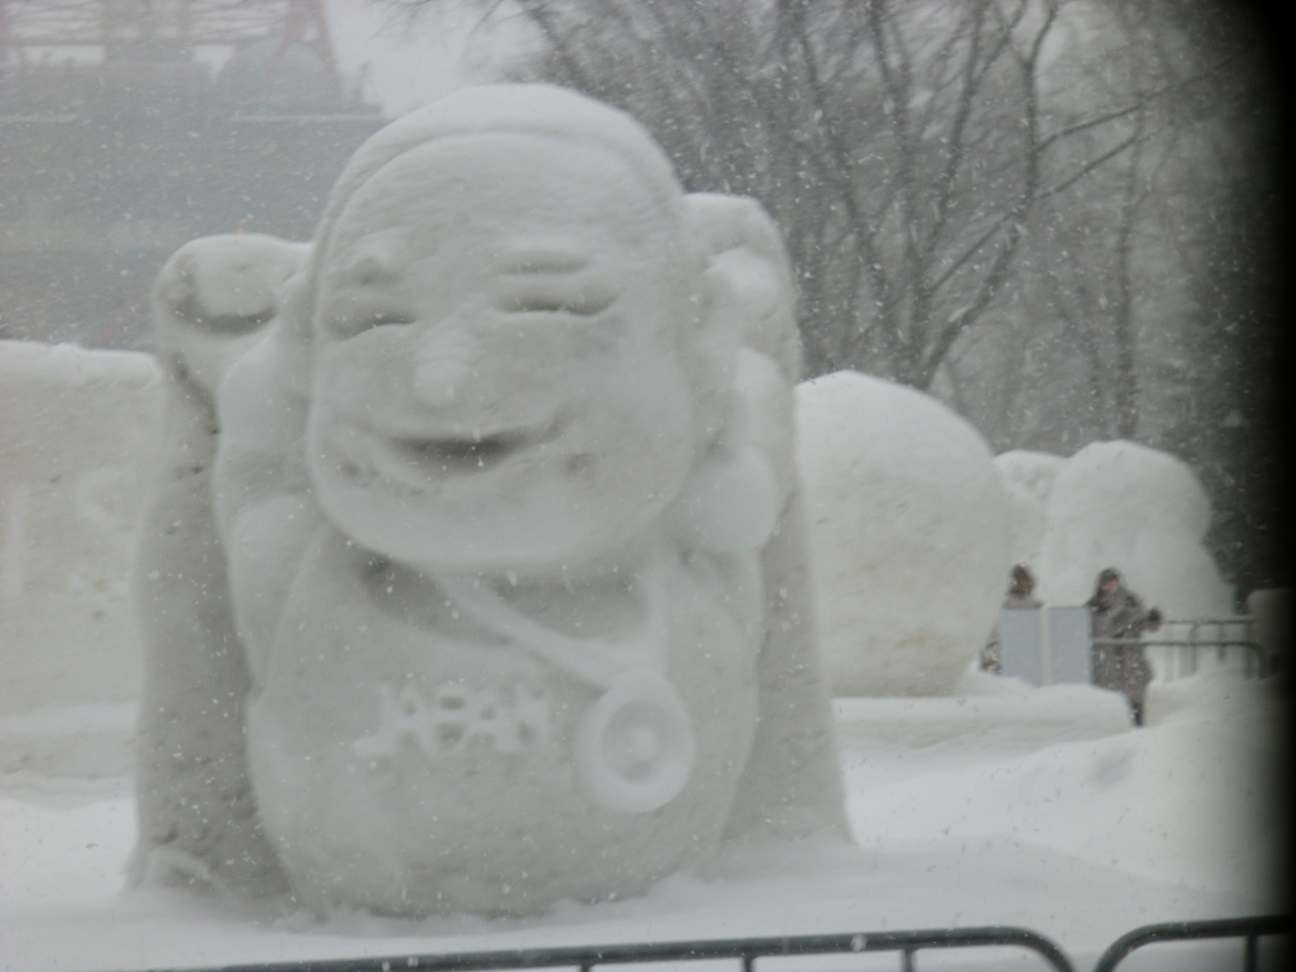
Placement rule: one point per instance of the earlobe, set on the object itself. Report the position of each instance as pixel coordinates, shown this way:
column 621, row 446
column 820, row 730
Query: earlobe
column 733, row 497
column 729, row 504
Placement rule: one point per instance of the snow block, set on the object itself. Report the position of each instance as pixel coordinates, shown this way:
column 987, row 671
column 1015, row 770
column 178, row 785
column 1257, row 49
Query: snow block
column 78, row 430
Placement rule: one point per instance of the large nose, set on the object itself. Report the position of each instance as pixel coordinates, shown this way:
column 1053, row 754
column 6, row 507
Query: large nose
column 444, row 361
column 511, row 367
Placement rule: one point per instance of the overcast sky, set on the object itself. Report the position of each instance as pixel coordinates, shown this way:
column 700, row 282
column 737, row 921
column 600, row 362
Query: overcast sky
column 407, row 68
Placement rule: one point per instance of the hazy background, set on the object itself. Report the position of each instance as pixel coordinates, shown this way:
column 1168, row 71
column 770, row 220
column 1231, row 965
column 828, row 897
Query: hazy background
column 1066, row 218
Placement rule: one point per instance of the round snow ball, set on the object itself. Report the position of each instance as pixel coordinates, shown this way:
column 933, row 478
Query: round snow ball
column 1142, row 511
column 1029, row 473
column 908, row 531
column 1028, row 477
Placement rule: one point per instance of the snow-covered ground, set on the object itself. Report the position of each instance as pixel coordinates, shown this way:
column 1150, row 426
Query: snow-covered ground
column 1000, row 805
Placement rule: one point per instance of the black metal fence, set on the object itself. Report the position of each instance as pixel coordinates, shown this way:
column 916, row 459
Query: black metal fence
column 1250, row 930
column 742, row 950
column 748, row 951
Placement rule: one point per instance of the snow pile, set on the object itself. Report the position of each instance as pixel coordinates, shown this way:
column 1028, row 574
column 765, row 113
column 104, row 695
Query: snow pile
column 1003, row 712
column 908, row 530
column 1028, row 477
column 1166, row 803
column 1123, row 505
column 78, row 430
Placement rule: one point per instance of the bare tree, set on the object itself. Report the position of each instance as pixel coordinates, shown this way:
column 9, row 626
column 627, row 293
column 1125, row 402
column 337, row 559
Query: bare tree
column 907, row 150
column 1121, row 234
column 896, row 144
column 1054, row 213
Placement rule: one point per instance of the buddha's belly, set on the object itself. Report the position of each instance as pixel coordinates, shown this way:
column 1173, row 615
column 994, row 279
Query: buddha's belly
column 412, row 777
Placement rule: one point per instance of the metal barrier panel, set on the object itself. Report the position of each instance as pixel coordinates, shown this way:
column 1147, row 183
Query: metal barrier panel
column 1070, row 657
column 747, row 951
column 1046, row 646
column 1248, row 929
column 1021, row 645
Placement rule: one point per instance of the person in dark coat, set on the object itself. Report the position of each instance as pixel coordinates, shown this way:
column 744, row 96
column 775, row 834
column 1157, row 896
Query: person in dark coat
column 1116, row 614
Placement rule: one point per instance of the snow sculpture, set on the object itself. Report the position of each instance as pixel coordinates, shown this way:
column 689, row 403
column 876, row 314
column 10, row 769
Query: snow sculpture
column 1124, row 505
column 909, row 534
column 514, row 542
column 1028, row 477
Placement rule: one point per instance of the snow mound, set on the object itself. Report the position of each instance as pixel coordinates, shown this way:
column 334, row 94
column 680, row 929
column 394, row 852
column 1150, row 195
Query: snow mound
column 1001, row 815
column 1123, row 505
column 1019, row 716
column 79, row 429
column 908, row 532
column 1175, row 802
column 1028, row 477
column 80, row 742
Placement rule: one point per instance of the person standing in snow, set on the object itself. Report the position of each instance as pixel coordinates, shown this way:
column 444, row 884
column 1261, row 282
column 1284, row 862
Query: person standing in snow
column 1020, row 597
column 1117, row 616
column 1021, row 593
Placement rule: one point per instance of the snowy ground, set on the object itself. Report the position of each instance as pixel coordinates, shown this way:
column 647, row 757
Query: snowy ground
column 1037, row 808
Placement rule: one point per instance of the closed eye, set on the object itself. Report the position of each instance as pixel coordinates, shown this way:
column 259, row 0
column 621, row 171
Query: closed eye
column 542, row 305
column 585, row 303
column 388, row 317
column 354, row 323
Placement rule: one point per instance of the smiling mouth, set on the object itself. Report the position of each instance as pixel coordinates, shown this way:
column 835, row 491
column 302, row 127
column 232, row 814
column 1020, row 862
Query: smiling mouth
column 449, row 454
column 414, row 462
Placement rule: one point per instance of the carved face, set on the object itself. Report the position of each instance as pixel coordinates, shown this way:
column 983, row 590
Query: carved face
column 497, row 380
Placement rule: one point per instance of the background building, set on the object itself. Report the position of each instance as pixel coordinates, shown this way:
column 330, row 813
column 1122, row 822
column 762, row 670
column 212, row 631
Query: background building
column 128, row 127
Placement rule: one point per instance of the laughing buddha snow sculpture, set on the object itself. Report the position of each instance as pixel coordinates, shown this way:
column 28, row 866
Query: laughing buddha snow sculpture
column 513, row 542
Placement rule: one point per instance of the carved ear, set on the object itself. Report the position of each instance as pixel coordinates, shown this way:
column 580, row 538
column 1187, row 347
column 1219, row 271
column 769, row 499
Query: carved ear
column 733, row 497
column 746, row 250
column 215, row 295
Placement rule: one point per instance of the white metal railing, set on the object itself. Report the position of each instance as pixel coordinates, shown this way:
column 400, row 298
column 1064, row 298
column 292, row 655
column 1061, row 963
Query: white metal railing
column 1181, row 648
column 1053, row 644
